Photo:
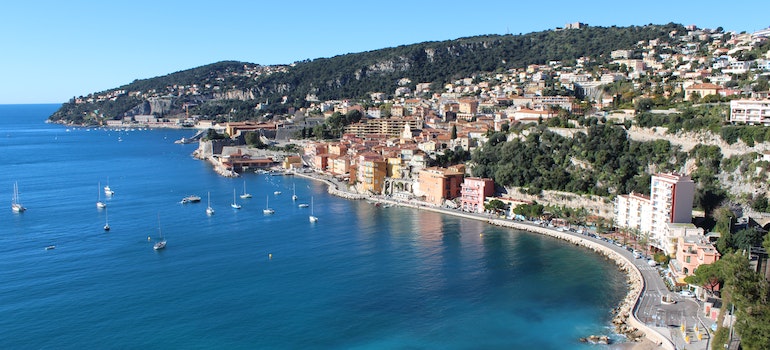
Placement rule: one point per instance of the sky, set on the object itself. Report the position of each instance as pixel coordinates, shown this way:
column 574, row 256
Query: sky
column 51, row 51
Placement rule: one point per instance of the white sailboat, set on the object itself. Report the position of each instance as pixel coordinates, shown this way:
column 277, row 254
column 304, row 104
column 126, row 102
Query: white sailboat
column 15, row 205
column 294, row 191
column 245, row 194
column 235, row 205
column 106, row 221
column 267, row 209
column 99, row 203
column 162, row 243
column 209, row 209
column 312, row 217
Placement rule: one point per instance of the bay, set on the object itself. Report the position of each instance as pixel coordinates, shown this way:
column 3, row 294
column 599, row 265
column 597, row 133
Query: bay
column 363, row 277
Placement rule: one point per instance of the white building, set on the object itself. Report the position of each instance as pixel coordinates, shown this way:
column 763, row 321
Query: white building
column 670, row 201
column 630, row 209
column 750, row 111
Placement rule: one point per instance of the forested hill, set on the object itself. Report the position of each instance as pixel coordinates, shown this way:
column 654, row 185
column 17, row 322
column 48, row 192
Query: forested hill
column 237, row 86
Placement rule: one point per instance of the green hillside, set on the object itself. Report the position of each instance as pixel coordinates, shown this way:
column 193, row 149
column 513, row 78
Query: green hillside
column 355, row 75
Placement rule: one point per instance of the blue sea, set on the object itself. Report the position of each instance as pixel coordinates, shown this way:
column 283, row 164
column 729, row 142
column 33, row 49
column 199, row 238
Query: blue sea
column 362, row 277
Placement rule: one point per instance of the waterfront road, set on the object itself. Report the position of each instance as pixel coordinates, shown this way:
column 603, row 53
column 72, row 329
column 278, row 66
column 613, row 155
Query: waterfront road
column 665, row 317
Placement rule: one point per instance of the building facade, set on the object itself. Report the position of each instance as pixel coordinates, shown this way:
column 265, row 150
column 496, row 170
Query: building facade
column 438, row 184
column 753, row 112
column 670, row 201
column 473, row 192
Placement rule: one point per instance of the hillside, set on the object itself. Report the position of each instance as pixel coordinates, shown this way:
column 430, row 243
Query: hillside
column 238, row 88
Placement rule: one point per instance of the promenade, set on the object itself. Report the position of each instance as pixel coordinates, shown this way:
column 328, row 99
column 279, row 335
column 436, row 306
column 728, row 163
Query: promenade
column 675, row 324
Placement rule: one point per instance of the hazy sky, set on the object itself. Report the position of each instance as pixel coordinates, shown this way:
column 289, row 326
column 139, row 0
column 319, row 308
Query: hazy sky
column 51, row 51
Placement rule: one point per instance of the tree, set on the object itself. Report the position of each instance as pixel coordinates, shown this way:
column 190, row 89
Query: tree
column 353, row 116
column 254, row 139
column 747, row 238
column 710, row 276
column 495, row 205
column 453, row 134
column 643, row 105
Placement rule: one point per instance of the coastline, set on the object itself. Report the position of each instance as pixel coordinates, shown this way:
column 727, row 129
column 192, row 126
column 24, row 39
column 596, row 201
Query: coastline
column 640, row 337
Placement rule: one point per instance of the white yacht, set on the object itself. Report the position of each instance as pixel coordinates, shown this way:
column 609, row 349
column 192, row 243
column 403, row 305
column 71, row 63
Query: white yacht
column 235, row 205
column 209, row 209
column 15, row 205
column 312, row 217
column 267, row 210
column 245, row 194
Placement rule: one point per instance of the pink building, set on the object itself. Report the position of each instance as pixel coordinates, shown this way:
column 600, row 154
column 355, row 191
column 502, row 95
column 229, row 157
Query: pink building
column 691, row 252
column 473, row 192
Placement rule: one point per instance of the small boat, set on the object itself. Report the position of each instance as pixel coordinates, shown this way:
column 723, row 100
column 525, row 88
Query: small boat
column 303, row 205
column 235, row 205
column 15, row 205
column 99, row 203
column 50, row 247
column 107, row 190
column 294, row 193
column 106, row 221
column 162, row 243
column 267, row 210
column 209, row 209
column 277, row 193
column 312, row 217
column 245, row 195
column 191, row 199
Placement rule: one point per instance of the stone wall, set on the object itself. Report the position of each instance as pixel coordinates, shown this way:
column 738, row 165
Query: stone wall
column 595, row 205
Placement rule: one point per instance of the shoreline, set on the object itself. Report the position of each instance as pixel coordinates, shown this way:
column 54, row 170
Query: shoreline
column 639, row 335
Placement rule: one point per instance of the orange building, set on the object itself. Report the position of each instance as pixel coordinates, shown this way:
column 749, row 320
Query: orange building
column 371, row 172
column 438, row 184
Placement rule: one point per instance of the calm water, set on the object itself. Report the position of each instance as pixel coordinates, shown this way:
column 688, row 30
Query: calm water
column 360, row 278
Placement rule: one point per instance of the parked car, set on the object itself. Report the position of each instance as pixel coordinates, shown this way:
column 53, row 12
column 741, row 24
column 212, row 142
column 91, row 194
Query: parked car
column 687, row 293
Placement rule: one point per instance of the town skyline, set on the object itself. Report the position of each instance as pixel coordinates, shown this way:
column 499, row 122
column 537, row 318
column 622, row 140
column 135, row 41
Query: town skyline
column 63, row 50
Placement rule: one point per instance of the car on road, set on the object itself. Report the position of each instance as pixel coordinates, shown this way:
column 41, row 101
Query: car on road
column 687, row 293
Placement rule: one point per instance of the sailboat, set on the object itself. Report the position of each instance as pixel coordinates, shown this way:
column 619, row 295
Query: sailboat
column 15, row 205
column 312, row 217
column 245, row 195
column 267, row 209
column 235, row 205
column 294, row 191
column 99, row 203
column 209, row 209
column 106, row 221
column 162, row 243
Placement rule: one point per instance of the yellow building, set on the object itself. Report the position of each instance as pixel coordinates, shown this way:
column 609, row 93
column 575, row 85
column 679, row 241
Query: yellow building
column 371, row 172
column 292, row 162
column 394, row 167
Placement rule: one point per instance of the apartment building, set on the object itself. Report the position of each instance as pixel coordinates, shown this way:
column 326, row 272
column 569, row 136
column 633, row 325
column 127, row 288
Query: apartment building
column 473, row 192
column 438, row 184
column 388, row 126
column 670, row 201
column 370, row 172
column 691, row 252
column 751, row 112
